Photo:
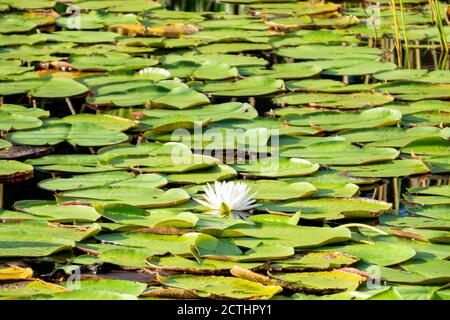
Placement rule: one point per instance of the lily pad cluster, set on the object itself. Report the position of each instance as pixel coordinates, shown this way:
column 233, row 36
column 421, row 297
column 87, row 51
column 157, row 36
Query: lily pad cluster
column 125, row 112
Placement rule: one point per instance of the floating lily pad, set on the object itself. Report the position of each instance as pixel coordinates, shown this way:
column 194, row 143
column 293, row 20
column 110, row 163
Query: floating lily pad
column 335, row 280
column 383, row 254
column 225, row 287
column 277, row 168
column 103, row 179
column 57, row 213
column 132, row 195
column 251, row 86
column 391, row 136
column 352, row 101
column 79, row 133
column 313, row 261
column 128, row 215
column 287, row 235
column 336, row 121
column 111, row 62
column 340, row 153
column 279, row 190
column 329, row 52
column 216, row 173
column 59, row 88
column 10, row 169
column 206, row 266
column 393, row 168
column 329, row 208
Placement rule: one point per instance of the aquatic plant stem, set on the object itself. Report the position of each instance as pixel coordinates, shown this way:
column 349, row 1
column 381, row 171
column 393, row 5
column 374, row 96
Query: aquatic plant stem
column 417, row 55
column 437, row 18
column 1, row 195
column 397, row 35
column 70, row 106
column 405, row 38
column 361, row 225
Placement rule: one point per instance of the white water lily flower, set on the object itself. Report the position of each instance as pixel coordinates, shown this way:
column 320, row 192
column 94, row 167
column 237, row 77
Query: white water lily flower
column 228, row 198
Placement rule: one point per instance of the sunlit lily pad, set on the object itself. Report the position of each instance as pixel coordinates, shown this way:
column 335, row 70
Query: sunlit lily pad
column 132, row 195
column 340, row 153
column 57, row 213
column 277, row 168
column 329, row 208
column 329, row 52
column 393, row 168
column 103, row 179
column 353, row 101
column 10, row 169
column 335, row 280
column 336, row 121
column 221, row 287
column 251, row 86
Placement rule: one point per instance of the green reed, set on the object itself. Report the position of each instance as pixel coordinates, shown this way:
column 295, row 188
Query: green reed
column 405, row 38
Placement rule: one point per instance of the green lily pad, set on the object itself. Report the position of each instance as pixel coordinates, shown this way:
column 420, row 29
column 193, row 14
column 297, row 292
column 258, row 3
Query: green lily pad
column 335, row 280
column 225, row 287
column 205, row 266
column 26, row 289
column 230, row 59
column 427, row 200
column 433, row 211
column 415, row 222
column 439, row 190
column 128, row 215
column 57, row 213
column 329, row 208
column 277, row 168
column 279, row 190
column 154, row 244
column 106, row 121
column 114, row 178
column 336, row 121
column 383, row 254
column 341, row 101
column 316, row 52
column 341, row 153
column 286, row 235
column 59, row 88
column 393, row 168
column 132, row 195
column 10, row 120
column 216, row 173
column 428, row 146
column 283, row 71
column 84, row 37
column 214, row 70
column 38, row 238
column 4, row 144
column 171, row 95
column 111, row 62
column 414, row 91
column 10, row 169
column 251, row 86
column 390, row 137
column 313, row 261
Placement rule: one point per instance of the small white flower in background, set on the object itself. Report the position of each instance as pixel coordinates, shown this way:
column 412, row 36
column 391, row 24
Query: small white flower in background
column 146, row 71
column 228, row 198
column 155, row 71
